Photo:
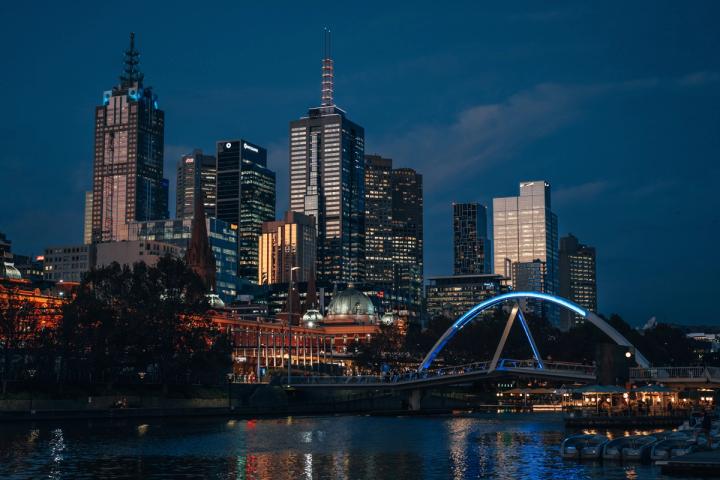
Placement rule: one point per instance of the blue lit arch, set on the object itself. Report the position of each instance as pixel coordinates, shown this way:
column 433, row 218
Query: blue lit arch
column 490, row 302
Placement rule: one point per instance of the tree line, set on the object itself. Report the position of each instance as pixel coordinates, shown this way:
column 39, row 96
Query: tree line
column 140, row 324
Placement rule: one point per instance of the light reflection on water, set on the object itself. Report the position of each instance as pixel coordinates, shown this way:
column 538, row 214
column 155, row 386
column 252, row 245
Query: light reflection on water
column 457, row 447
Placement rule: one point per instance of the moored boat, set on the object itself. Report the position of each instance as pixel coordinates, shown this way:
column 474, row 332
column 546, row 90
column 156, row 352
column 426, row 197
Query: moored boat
column 637, row 447
column 583, row 446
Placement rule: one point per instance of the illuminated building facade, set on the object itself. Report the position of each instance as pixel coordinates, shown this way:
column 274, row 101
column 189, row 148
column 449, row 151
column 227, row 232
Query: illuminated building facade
column 87, row 218
column 578, row 278
column 196, row 173
column 245, row 197
column 525, row 230
column 378, row 219
column 68, row 263
column 471, row 245
column 407, row 237
column 454, row 295
column 327, row 181
column 286, row 244
column 128, row 182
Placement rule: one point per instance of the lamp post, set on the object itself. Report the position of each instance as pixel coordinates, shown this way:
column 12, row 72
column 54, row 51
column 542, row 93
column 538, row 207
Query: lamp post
column 292, row 269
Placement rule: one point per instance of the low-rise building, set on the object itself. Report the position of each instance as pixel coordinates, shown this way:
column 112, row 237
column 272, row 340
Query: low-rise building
column 68, row 263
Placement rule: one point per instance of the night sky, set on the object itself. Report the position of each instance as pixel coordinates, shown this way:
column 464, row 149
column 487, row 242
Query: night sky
column 616, row 104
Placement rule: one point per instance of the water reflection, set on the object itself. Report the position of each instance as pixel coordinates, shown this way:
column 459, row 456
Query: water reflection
column 457, row 447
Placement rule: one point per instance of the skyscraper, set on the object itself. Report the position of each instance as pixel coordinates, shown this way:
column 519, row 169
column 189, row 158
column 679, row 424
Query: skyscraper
column 524, row 230
column 578, row 278
column 470, row 242
column 327, row 181
column 128, row 182
column 286, row 244
column 87, row 220
column 245, row 197
column 407, row 236
column 196, row 172
column 378, row 219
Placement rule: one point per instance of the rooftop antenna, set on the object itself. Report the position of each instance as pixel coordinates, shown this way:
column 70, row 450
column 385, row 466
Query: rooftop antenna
column 327, row 71
column 131, row 73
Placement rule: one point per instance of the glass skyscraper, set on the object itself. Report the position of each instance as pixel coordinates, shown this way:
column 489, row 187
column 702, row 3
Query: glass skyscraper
column 407, row 236
column 245, row 197
column 470, row 243
column 128, row 182
column 196, row 172
column 578, row 278
column 378, row 219
column 327, row 181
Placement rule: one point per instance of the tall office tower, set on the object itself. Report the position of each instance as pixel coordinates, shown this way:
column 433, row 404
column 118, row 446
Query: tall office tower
column 578, row 278
column 407, row 235
column 128, row 182
column 286, row 244
column 87, row 220
column 327, row 181
column 245, row 197
column 196, row 172
column 378, row 219
column 525, row 231
column 470, row 242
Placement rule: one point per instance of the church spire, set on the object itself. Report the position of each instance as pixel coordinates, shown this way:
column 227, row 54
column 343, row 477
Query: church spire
column 131, row 72
column 328, row 74
column 199, row 255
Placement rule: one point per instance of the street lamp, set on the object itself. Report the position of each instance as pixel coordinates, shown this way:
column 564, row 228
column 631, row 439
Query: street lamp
column 292, row 269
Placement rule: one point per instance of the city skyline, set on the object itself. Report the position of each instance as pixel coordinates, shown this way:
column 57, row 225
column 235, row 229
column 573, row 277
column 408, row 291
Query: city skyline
column 581, row 193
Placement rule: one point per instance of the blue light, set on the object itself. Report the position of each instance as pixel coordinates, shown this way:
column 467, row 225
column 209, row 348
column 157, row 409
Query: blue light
column 477, row 309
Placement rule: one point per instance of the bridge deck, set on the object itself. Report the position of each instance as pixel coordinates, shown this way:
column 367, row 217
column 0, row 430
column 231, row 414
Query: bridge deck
column 453, row 375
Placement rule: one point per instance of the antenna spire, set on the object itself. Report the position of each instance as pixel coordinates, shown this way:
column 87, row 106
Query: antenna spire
column 131, row 73
column 327, row 71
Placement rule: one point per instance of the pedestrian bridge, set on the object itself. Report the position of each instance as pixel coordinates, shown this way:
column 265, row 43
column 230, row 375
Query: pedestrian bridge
column 562, row 371
column 497, row 366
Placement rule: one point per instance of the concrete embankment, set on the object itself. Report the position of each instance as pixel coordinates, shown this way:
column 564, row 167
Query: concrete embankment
column 242, row 400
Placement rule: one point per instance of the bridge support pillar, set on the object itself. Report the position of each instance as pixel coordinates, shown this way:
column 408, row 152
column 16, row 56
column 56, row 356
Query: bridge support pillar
column 414, row 400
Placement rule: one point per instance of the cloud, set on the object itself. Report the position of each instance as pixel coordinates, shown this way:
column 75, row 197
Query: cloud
column 581, row 193
column 485, row 134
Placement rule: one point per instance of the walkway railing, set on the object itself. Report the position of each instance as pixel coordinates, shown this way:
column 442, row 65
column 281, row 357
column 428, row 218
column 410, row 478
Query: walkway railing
column 584, row 371
column 678, row 374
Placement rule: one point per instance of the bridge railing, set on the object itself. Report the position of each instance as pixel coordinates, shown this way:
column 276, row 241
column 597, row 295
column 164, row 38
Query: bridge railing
column 673, row 373
column 580, row 368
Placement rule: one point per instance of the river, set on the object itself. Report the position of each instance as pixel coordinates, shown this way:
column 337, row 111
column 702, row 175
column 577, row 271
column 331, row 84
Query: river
column 507, row 446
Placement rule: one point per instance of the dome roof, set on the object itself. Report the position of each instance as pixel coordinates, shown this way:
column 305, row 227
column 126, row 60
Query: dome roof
column 351, row 302
column 389, row 318
column 312, row 318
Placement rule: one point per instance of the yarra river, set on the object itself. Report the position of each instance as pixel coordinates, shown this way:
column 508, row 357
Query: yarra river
column 511, row 446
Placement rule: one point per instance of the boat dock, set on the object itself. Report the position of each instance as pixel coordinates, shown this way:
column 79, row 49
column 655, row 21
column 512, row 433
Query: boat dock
column 695, row 464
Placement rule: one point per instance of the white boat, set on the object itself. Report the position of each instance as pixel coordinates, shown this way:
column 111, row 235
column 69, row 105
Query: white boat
column 637, row 447
column 675, row 445
column 583, row 446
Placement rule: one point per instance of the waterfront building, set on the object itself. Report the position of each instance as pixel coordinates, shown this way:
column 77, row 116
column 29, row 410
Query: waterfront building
column 87, row 218
column 378, row 219
column 128, row 183
column 525, row 231
column 578, row 278
column 471, row 245
column 245, row 197
column 196, row 174
column 327, row 181
column 223, row 242
column 407, row 238
column 351, row 306
column 68, row 263
column 286, row 244
column 453, row 295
